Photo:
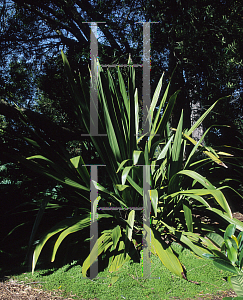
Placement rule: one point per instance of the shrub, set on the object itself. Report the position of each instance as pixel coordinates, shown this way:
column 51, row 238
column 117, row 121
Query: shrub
column 133, row 161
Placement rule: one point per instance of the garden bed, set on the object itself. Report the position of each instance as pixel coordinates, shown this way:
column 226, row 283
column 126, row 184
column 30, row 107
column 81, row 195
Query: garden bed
column 12, row 290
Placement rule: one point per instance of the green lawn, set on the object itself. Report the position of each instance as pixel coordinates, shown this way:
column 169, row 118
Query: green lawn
column 127, row 283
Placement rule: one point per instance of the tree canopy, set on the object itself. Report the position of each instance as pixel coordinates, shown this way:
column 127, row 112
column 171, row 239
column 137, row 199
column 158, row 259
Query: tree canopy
column 202, row 39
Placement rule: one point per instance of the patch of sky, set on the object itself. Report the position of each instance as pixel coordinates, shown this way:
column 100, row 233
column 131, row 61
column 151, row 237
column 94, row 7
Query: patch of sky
column 237, row 94
column 216, row 131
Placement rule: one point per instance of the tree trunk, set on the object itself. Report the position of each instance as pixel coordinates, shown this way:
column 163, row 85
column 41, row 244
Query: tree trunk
column 195, row 115
column 182, row 101
column 54, row 131
column 196, row 109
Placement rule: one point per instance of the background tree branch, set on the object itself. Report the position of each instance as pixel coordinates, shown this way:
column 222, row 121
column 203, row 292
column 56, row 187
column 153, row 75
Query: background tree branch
column 55, row 131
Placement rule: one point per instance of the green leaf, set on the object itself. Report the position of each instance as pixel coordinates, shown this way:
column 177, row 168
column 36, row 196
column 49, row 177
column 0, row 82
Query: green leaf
column 58, row 174
column 237, row 283
column 85, row 222
column 230, row 230
column 154, row 200
column 231, row 252
column 200, row 251
column 194, row 193
column 234, row 242
column 111, row 133
column 136, row 111
column 119, row 259
column 169, row 108
column 102, row 189
column 216, row 238
column 76, row 161
column 79, row 164
column 40, row 157
column 116, row 234
column 102, row 242
column 208, row 153
column 215, row 159
column 122, row 164
column 240, row 239
column 217, row 194
column 157, row 116
column 224, row 265
column 176, row 153
column 32, row 142
column 125, row 173
column 165, row 149
column 158, row 129
column 188, row 217
column 123, row 92
column 160, row 174
column 220, row 255
column 54, row 230
column 108, row 245
column 136, row 155
column 241, row 259
column 209, row 244
column 156, row 97
column 165, row 253
column 38, row 218
column 209, row 256
column 122, row 187
column 136, row 186
column 196, row 197
column 130, row 222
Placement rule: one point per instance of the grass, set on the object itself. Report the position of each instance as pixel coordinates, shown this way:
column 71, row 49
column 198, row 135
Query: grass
column 127, row 283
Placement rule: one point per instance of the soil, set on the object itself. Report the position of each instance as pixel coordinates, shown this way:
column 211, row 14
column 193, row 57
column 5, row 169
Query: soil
column 218, row 296
column 13, row 290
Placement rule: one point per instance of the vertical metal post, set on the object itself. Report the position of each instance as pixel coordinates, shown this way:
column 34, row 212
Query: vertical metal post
column 93, row 80
column 146, row 78
column 93, row 223
column 146, row 221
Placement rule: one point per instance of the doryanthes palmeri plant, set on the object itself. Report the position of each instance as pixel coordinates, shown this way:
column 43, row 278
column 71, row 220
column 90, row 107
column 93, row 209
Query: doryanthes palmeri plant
column 176, row 189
